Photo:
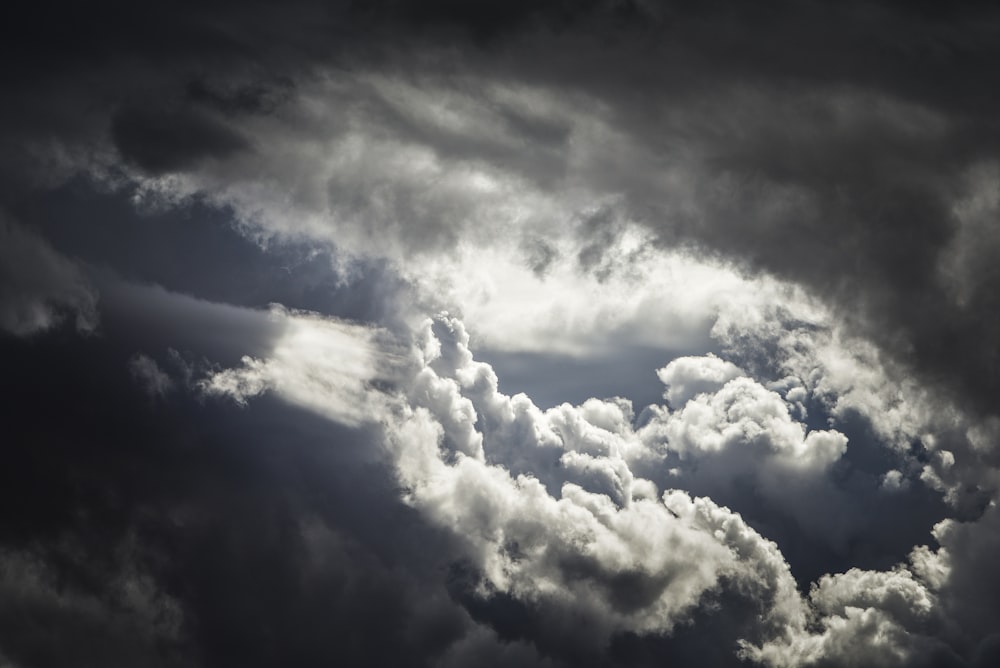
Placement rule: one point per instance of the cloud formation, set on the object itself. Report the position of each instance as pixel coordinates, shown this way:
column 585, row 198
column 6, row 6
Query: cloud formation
column 246, row 257
column 548, row 512
column 40, row 287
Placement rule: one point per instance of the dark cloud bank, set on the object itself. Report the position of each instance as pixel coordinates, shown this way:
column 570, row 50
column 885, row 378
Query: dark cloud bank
column 193, row 476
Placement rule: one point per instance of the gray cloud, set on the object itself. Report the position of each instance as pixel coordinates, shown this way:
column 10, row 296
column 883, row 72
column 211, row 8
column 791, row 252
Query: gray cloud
column 159, row 141
column 47, row 623
column 150, row 376
column 521, row 489
column 805, row 190
column 38, row 286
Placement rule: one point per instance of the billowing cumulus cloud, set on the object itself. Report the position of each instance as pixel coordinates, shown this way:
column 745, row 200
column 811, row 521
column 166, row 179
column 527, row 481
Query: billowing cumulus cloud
column 603, row 545
column 591, row 334
column 687, row 377
column 548, row 511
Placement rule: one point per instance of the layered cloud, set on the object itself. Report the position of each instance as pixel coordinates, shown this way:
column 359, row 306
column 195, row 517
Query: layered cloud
column 222, row 234
column 402, row 148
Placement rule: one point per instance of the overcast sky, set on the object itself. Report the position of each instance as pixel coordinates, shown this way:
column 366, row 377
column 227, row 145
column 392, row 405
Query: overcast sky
column 447, row 334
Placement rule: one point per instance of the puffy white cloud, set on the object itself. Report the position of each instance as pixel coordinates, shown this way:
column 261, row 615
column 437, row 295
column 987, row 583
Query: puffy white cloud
column 561, row 509
column 938, row 441
column 543, row 502
column 877, row 618
column 862, row 636
column 897, row 593
column 893, row 481
column 939, row 609
column 743, row 413
column 963, row 572
column 687, row 377
column 741, row 441
column 641, row 567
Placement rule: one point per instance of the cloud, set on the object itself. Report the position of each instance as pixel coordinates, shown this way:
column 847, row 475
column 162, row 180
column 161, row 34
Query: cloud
column 220, row 518
column 482, row 647
column 40, row 286
column 642, row 567
column 513, row 143
column 588, row 182
column 154, row 381
column 742, row 412
column 553, row 510
column 601, row 544
column 687, row 377
column 968, row 591
column 163, row 319
column 887, row 618
column 419, row 157
column 161, row 142
column 737, row 442
column 126, row 621
column 318, row 363
column 550, row 513
column 940, row 441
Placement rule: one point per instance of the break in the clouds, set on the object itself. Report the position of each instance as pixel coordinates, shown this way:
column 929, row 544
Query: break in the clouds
column 443, row 334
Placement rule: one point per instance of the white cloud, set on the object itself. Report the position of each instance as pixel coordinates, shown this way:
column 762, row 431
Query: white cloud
column 877, row 618
column 581, row 541
column 687, row 377
column 438, row 177
column 963, row 572
column 743, row 413
column 560, row 509
column 320, row 363
column 893, row 481
column 577, row 549
column 940, row 442
column 862, row 636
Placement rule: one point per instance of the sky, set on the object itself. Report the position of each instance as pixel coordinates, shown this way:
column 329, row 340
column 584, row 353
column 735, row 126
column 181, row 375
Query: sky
column 538, row 334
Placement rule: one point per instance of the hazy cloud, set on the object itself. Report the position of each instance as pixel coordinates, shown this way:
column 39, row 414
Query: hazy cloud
column 150, row 376
column 38, row 286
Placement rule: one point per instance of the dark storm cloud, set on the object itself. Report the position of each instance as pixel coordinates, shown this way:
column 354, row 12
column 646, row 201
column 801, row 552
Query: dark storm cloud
column 159, row 141
column 834, row 143
column 39, row 287
column 850, row 148
column 71, row 67
column 831, row 140
column 186, row 531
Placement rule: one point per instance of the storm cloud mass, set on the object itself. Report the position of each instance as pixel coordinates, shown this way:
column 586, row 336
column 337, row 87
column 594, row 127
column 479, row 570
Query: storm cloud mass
column 453, row 334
